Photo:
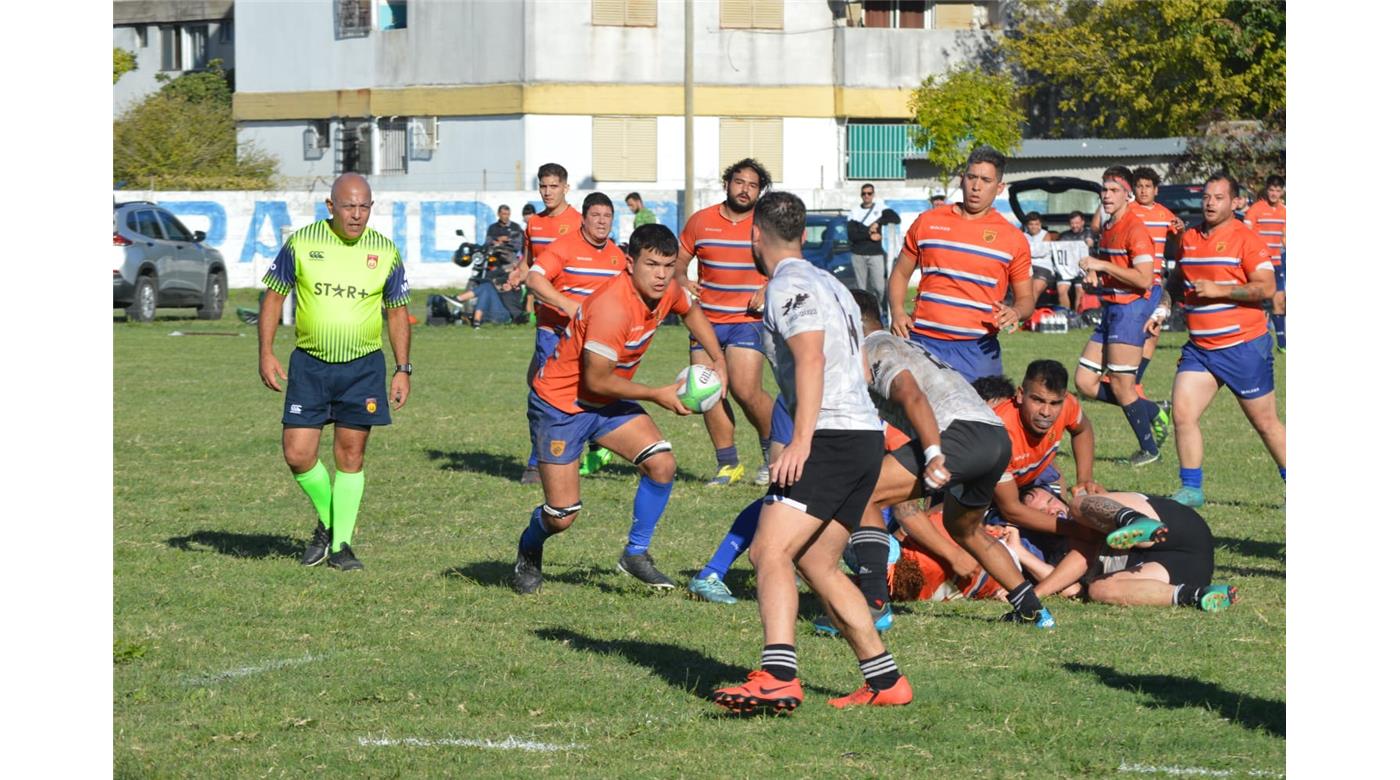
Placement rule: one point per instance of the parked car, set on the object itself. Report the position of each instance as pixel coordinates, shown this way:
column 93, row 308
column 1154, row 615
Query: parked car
column 158, row 262
column 827, row 245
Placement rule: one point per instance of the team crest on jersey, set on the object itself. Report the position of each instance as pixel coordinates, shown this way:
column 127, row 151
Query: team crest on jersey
column 371, row 261
column 794, row 302
column 556, row 447
column 989, row 235
column 563, row 229
column 1220, row 246
column 371, row 405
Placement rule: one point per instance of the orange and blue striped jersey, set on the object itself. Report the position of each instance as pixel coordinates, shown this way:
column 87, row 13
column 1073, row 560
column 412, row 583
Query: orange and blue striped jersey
column 1271, row 223
column 1158, row 221
column 727, row 276
column 613, row 323
column 1226, row 255
column 1124, row 240
column 1032, row 453
column 576, row 268
column 967, row 265
column 542, row 230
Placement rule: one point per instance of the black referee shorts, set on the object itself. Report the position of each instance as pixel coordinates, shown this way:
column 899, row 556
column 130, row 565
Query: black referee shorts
column 838, row 478
column 1188, row 554
column 975, row 454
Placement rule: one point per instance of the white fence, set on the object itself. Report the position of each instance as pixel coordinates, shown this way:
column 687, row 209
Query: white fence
column 249, row 227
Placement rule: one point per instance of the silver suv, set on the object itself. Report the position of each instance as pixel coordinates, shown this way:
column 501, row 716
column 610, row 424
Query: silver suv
column 159, row 262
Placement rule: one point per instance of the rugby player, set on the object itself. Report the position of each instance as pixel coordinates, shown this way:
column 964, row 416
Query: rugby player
column 1161, row 553
column 1160, row 223
column 584, row 392
column 559, row 219
column 1269, row 218
column 729, row 288
column 968, row 254
column 822, row 481
column 1122, row 268
column 344, row 274
column 1227, row 274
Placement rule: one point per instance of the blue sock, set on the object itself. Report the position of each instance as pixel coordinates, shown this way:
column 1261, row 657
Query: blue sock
column 1283, row 473
column 1106, row 394
column 535, row 532
column 647, row 507
column 763, row 445
column 735, row 542
column 534, row 461
column 1140, row 414
column 727, row 456
column 1142, row 368
column 1191, row 478
column 1279, row 335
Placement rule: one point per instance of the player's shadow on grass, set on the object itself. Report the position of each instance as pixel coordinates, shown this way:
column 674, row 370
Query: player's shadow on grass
column 497, row 574
column 680, row 667
column 1253, row 548
column 1180, row 692
column 238, row 545
column 510, row 467
column 1251, row 571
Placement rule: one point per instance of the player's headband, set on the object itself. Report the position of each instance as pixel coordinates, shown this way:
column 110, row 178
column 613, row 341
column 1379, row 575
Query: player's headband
column 1127, row 185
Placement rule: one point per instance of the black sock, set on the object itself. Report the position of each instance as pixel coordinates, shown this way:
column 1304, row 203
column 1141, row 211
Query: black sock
column 1024, row 600
column 1127, row 515
column 872, row 549
column 1142, row 368
column 780, row 661
column 1186, row 596
column 880, row 672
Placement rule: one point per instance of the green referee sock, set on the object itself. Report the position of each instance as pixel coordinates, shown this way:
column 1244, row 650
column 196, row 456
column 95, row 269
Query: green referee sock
column 316, row 483
column 345, row 506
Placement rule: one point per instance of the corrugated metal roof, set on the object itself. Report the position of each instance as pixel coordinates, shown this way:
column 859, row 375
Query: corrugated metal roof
column 1101, row 147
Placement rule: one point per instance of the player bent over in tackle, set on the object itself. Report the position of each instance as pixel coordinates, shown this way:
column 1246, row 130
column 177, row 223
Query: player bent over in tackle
column 822, row 480
column 584, row 392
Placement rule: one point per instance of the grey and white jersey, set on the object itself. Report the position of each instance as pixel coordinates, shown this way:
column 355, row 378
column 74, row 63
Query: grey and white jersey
column 950, row 396
column 802, row 298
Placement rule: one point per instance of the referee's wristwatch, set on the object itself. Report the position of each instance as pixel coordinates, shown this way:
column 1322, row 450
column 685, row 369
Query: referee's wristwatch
column 404, row 368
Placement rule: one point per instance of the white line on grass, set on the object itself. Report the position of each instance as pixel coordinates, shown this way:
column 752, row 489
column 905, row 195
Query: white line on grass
column 245, row 671
column 509, row 743
column 1145, row 769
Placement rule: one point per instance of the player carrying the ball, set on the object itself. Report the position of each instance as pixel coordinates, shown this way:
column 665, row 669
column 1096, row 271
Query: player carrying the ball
column 584, row 392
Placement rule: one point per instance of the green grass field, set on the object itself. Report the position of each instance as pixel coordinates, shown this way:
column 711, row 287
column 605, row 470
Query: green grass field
column 230, row 660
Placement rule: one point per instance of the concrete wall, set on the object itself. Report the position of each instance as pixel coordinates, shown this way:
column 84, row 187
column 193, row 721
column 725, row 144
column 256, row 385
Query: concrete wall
column 249, row 227
column 869, row 57
column 284, row 45
column 133, row 87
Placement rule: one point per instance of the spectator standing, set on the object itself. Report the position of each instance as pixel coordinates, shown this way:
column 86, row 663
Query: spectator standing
column 641, row 215
column 867, row 249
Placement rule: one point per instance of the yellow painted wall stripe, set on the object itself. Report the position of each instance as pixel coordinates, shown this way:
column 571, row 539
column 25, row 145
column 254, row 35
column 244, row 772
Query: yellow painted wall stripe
column 575, row 99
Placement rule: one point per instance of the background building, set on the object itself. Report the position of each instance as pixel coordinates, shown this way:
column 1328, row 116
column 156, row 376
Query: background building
column 168, row 36
column 423, row 95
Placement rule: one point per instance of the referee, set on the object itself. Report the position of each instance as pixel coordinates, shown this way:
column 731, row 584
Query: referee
column 344, row 275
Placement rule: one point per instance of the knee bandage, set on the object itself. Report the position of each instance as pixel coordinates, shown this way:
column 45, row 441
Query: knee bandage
column 561, row 512
column 1091, row 365
column 650, row 450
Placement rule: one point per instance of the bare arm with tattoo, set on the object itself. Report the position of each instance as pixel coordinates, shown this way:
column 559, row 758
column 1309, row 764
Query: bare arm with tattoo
column 1100, row 512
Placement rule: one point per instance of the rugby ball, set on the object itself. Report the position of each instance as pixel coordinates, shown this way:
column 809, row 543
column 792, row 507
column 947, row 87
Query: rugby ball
column 701, row 387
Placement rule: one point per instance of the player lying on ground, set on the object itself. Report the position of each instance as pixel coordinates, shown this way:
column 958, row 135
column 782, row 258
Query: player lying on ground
column 584, row 392
column 1160, row 553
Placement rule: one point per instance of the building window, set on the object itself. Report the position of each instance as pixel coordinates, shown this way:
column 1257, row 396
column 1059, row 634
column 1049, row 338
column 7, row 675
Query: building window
column 877, row 150
column 761, row 139
column 171, row 48
column 352, row 18
column 196, row 46
column 355, row 154
column 751, row 14
column 393, row 14
column 624, row 148
column 393, row 145
column 899, row 14
column 957, row 16
column 624, row 13
column 226, row 31
column 140, row 35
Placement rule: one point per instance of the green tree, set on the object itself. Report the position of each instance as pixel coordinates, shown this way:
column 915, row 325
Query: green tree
column 1123, row 68
column 123, row 62
column 962, row 109
column 184, row 137
column 1249, row 151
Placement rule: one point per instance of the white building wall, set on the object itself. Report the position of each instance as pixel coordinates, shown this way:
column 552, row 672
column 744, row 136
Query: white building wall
column 285, row 46
column 810, row 155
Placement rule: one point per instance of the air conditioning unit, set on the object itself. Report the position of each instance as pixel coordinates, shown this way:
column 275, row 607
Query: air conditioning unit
column 316, row 139
column 423, row 137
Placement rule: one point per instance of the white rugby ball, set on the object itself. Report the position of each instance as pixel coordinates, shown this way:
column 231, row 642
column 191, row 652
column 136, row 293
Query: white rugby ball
column 701, row 388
